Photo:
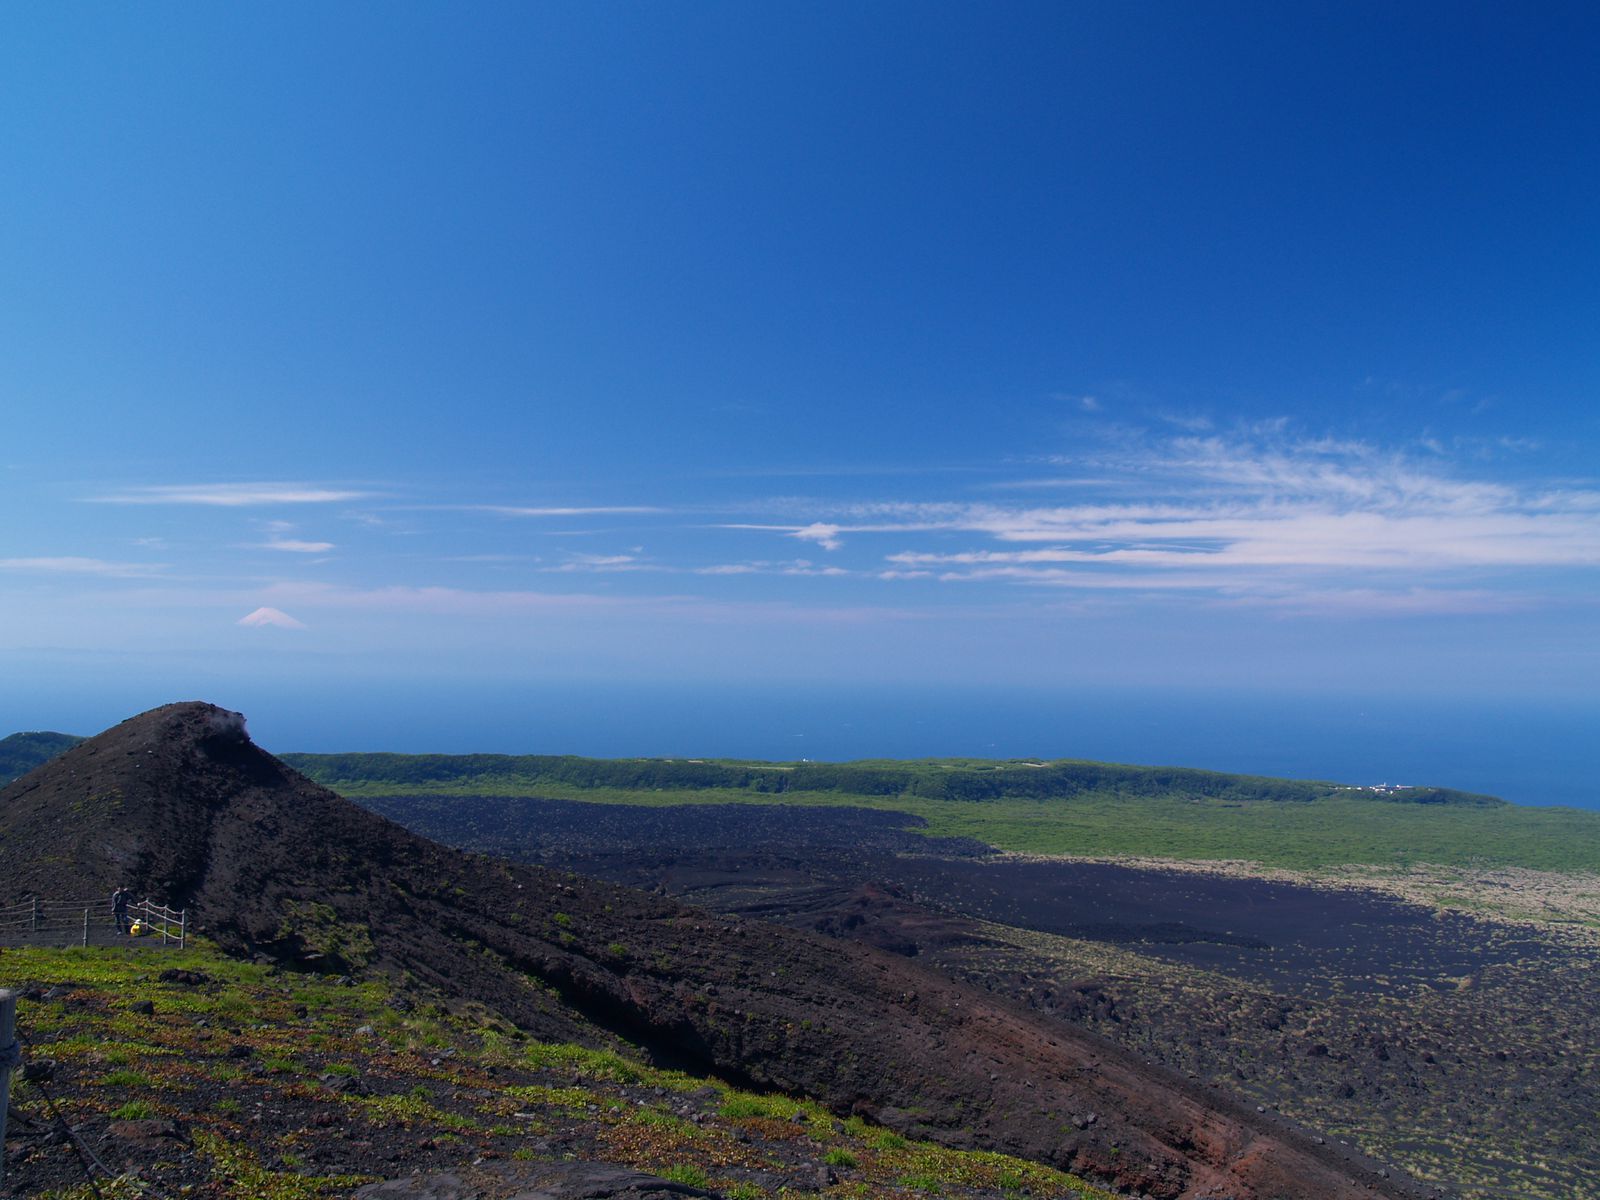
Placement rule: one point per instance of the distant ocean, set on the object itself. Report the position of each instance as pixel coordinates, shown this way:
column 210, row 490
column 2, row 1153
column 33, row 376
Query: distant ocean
column 1528, row 754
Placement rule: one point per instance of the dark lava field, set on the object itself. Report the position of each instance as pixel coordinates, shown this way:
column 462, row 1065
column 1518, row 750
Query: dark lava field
column 1466, row 1050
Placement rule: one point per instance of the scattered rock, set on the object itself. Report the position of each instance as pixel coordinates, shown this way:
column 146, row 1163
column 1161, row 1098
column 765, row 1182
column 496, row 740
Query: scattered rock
column 429, row 1187
column 186, row 978
column 150, row 1131
column 345, row 1085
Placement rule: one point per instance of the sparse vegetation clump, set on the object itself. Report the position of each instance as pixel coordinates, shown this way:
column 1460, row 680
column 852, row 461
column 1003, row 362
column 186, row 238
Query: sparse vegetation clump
column 260, row 1084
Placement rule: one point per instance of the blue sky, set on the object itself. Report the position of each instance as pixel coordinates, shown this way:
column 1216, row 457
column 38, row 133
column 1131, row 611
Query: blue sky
column 365, row 350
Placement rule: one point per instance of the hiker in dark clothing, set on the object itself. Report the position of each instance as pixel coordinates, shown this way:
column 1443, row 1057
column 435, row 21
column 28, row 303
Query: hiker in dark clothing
column 119, row 909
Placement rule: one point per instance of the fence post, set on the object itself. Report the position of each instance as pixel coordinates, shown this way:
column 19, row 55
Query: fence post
column 183, row 930
column 86, row 927
column 9, row 1057
column 35, row 926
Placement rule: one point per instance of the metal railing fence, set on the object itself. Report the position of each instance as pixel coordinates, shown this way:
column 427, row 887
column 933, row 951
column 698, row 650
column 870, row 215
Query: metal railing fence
column 89, row 922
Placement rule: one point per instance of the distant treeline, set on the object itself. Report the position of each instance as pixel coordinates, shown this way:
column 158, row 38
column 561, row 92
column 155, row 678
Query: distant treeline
column 962, row 779
column 22, row 752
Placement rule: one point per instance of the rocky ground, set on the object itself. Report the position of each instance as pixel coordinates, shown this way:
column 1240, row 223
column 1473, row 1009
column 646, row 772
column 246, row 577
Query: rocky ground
column 192, row 1074
column 179, row 805
column 1431, row 1018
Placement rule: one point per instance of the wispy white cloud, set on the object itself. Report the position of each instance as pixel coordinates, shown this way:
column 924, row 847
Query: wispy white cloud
column 824, row 535
column 601, row 563
column 797, row 566
column 517, row 510
column 264, row 617
column 1254, row 515
column 1055, row 482
column 1315, row 522
column 69, row 565
column 231, row 495
column 295, row 545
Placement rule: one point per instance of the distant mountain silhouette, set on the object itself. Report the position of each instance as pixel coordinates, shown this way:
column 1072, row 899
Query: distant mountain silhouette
column 180, row 805
column 24, row 752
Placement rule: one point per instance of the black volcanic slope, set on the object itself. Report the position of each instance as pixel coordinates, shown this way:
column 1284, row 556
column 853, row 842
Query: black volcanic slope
column 180, row 805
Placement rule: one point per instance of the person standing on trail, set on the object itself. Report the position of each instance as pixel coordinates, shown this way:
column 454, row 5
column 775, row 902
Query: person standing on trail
column 119, row 909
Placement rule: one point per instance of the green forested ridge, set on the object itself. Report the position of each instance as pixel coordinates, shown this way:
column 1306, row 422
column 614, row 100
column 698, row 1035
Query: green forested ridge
column 22, row 752
column 934, row 779
column 1103, row 808
column 1073, row 808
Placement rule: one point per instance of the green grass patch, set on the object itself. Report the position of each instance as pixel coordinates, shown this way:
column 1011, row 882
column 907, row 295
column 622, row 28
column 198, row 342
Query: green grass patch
column 746, row 1105
column 688, row 1175
column 572, row 1099
column 126, row 1079
column 1335, row 830
column 592, row 1064
column 656, row 1118
column 408, row 1109
column 244, row 1177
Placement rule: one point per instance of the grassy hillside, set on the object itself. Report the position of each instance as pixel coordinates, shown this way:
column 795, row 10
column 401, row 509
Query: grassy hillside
column 1090, row 809
column 243, row 1083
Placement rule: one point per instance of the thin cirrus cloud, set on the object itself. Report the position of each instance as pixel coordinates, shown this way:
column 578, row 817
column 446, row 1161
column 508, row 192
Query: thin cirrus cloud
column 797, row 566
column 72, row 565
column 602, row 563
column 295, row 545
column 1259, row 517
column 232, row 495
column 821, row 533
column 518, row 510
